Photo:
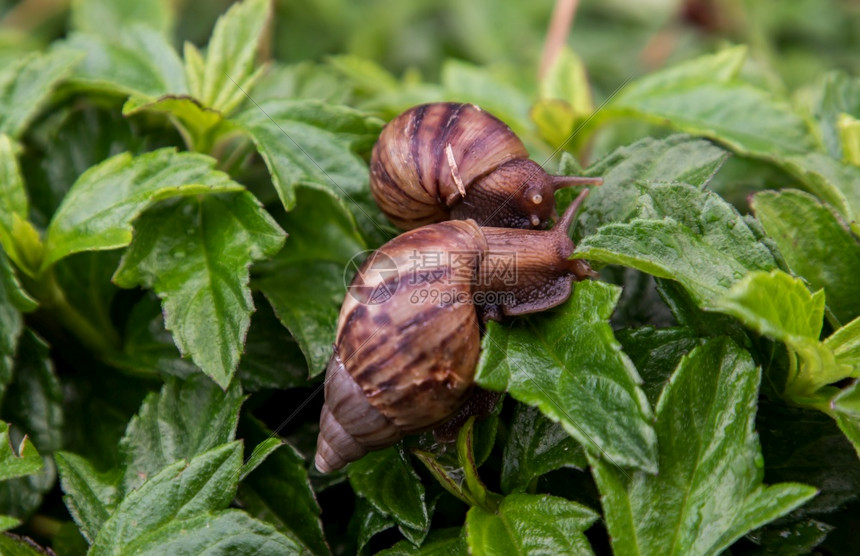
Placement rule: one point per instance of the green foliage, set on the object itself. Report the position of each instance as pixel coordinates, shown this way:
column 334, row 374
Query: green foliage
column 183, row 199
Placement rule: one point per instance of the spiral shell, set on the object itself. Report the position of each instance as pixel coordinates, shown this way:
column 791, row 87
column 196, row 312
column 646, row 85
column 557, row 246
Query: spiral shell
column 448, row 160
column 406, row 363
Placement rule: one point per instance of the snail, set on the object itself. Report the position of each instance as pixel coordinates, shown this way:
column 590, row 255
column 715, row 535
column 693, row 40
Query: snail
column 446, row 160
column 408, row 335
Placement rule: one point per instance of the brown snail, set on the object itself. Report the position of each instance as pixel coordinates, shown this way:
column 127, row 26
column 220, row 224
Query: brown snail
column 408, row 333
column 446, row 160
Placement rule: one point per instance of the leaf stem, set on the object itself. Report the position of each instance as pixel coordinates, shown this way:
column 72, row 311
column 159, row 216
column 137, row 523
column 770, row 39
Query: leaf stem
column 51, row 297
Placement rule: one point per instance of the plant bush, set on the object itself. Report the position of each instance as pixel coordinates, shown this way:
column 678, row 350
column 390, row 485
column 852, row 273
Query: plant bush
column 177, row 226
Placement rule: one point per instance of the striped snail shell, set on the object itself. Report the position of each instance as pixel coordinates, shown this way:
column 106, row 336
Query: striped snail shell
column 447, row 160
column 408, row 335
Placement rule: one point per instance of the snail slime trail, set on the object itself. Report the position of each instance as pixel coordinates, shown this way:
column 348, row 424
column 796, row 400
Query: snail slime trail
column 405, row 362
column 446, row 160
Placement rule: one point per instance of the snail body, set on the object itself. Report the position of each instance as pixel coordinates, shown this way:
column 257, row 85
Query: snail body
column 446, row 160
column 408, row 336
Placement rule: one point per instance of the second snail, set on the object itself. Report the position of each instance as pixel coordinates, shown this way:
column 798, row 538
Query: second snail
column 408, row 335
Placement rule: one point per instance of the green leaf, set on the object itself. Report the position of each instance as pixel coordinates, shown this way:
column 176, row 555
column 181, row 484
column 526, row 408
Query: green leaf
column 830, row 180
column 391, row 486
column 846, row 406
column 279, row 492
column 845, row 344
column 681, row 230
column 676, row 158
column 535, row 447
column 34, row 399
column 565, row 98
column 708, row 492
column 229, row 531
column 702, row 97
column 195, row 254
column 13, row 545
column 528, row 524
column 196, row 118
column 440, row 542
column 26, row 86
column 228, row 73
column 778, row 306
column 306, row 282
column 7, row 522
column 164, row 431
column 368, row 522
column 111, row 19
column 89, row 495
column 656, row 352
column 261, row 451
column 310, row 142
column 569, row 365
column 24, row 460
column 849, row 134
column 137, row 61
column 18, row 238
column 85, row 137
column 180, row 491
column 98, row 211
column 815, row 245
column 840, row 94
column 13, row 301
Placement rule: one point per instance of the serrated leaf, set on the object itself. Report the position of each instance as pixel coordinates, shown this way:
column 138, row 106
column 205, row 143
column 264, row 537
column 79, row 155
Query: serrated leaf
column 230, row 531
column 195, row 254
column 708, row 492
column 17, row 462
column 678, row 158
column 180, row 491
column 89, row 495
column 14, row 545
column 98, row 211
column 228, row 73
column 165, row 431
column 681, row 231
column 702, row 97
column 815, row 245
column 569, row 365
column 26, row 85
column 306, row 282
column 535, row 447
column 261, row 451
column 279, row 492
column 310, row 142
column 530, row 524
column 111, row 19
column 391, row 486
column 138, row 61
column 779, row 306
